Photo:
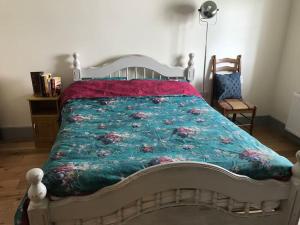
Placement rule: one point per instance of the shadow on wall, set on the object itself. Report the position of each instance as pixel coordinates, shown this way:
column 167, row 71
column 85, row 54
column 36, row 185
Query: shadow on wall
column 268, row 53
column 63, row 68
column 11, row 98
column 179, row 15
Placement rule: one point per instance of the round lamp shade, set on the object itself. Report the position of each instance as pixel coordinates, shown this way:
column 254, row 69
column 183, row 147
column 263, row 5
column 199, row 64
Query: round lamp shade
column 208, row 9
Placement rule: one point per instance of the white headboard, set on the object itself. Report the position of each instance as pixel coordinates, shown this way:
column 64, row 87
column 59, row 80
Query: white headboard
column 134, row 67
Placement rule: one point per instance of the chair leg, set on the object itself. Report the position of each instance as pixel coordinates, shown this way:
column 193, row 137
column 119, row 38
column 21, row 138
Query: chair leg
column 234, row 117
column 224, row 112
column 252, row 120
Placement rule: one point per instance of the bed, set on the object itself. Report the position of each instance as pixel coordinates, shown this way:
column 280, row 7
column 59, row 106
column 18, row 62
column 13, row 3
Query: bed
column 142, row 147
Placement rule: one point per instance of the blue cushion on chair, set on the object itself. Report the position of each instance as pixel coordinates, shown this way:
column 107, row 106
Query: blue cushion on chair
column 228, row 86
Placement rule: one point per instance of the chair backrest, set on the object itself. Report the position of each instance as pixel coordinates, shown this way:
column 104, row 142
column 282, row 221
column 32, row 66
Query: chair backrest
column 222, row 66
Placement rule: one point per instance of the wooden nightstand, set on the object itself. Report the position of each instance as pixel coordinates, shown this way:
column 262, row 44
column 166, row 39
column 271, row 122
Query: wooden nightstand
column 44, row 117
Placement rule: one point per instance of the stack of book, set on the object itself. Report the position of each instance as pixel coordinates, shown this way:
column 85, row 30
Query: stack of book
column 45, row 85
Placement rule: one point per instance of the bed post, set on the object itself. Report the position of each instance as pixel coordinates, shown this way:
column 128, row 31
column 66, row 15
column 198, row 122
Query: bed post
column 38, row 206
column 190, row 70
column 76, row 67
column 294, row 197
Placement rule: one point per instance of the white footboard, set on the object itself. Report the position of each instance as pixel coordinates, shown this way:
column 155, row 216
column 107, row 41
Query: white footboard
column 177, row 193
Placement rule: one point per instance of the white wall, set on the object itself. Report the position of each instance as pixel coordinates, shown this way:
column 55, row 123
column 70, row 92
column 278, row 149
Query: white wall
column 40, row 35
column 288, row 80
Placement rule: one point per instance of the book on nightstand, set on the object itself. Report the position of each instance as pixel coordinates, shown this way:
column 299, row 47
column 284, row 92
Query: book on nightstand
column 46, row 81
column 36, row 83
column 44, row 85
column 56, row 81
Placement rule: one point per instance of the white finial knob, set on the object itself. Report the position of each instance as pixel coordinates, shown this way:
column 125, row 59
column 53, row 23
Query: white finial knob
column 191, row 61
column 75, row 55
column 296, row 167
column 76, row 62
column 37, row 191
column 34, row 176
column 191, row 70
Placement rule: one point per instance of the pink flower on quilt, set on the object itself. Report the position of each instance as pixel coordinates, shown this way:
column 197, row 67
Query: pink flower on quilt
column 185, row 132
column 226, row 140
column 58, row 155
column 168, row 122
column 78, row 118
column 147, row 148
column 165, row 159
column 65, row 168
column 66, row 174
column 161, row 160
column 111, row 138
column 196, row 111
column 158, row 100
column 139, row 115
column 102, row 126
column 255, row 156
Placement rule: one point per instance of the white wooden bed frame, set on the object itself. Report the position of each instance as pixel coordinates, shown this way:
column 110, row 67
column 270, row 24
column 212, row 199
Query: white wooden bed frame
column 185, row 193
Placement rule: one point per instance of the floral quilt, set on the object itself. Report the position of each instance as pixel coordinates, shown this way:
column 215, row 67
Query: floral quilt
column 103, row 140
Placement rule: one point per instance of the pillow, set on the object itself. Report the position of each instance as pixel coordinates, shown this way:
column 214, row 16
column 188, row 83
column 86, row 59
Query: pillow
column 228, row 86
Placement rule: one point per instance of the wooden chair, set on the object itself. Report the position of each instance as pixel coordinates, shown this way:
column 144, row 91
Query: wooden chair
column 232, row 107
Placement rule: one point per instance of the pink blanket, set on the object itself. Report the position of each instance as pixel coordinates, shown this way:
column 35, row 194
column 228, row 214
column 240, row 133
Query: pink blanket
column 131, row 88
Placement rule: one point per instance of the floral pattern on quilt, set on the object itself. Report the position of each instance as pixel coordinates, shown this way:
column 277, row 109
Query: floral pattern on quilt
column 104, row 140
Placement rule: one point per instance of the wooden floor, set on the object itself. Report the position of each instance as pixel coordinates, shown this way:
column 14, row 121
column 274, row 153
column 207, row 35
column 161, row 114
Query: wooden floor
column 18, row 157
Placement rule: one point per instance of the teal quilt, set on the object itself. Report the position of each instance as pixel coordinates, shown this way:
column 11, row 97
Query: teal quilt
column 102, row 141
